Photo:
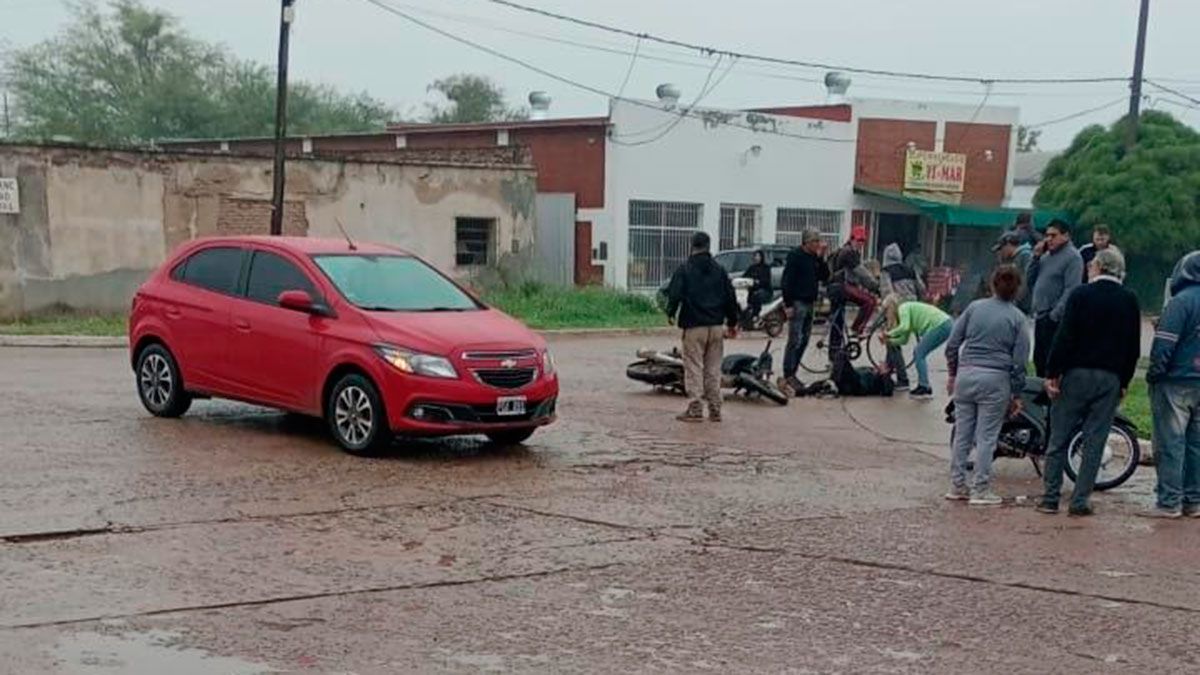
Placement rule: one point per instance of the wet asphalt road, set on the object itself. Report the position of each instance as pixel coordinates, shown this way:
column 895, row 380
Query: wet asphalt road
column 810, row 538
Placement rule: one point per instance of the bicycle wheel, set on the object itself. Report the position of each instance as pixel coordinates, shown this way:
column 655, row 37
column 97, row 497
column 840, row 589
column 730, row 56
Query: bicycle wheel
column 877, row 352
column 815, row 358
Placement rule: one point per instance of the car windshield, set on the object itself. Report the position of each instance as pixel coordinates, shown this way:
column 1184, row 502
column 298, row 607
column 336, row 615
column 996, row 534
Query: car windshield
column 735, row 262
column 393, row 283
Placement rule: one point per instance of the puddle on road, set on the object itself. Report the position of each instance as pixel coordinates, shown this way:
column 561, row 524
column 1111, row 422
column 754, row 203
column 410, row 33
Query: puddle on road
column 151, row 652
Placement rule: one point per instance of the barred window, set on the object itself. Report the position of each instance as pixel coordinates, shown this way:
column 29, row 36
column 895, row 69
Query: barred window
column 739, row 227
column 660, row 235
column 790, row 224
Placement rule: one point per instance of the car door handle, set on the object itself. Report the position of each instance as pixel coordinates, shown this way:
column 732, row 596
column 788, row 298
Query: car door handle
column 241, row 325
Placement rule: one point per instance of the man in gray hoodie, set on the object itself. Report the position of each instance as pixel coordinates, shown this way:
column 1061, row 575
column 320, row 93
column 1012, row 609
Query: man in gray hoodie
column 1055, row 271
column 897, row 278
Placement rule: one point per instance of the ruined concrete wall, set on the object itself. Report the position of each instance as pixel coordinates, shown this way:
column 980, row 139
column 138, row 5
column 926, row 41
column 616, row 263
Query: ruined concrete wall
column 94, row 224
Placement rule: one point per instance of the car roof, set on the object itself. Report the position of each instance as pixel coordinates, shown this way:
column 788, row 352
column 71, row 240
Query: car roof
column 305, row 245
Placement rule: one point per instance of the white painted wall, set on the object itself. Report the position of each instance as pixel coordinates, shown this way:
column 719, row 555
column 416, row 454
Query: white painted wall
column 709, row 160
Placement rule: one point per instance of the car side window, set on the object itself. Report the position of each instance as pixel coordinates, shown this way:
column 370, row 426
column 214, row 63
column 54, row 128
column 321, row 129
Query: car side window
column 272, row 274
column 216, row 269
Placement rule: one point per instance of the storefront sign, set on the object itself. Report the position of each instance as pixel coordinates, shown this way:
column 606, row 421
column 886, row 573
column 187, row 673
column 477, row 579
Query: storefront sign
column 941, row 171
column 10, row 197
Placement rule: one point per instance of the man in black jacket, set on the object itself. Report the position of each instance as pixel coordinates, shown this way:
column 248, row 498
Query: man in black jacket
column 700, row 299
column 803, row 275
column 1092, row 359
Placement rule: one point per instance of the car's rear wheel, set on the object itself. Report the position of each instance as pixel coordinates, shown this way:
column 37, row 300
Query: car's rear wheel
column 356, row 416
column 511, row 437
column 160, row 386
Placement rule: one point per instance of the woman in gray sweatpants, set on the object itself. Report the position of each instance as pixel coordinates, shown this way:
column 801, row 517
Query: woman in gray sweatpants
column 986, row 354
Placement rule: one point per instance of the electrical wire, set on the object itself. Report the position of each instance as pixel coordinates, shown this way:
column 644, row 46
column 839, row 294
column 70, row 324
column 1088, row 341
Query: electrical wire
column 1175, row 92
column 1081, row 113
column 704, row 92
column 579, row 85
column 628, row 73
column 987, row 93
column 783, row 72
column 713, row 51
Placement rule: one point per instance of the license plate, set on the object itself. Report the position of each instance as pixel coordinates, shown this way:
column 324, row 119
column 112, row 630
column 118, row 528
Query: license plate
column 510, row 406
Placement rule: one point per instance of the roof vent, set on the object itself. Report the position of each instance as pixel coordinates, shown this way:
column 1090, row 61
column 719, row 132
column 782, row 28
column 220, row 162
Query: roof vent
column 539, row 105
column 668, row 95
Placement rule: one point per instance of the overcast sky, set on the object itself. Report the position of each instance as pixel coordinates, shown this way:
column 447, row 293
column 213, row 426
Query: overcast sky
column 357, row 46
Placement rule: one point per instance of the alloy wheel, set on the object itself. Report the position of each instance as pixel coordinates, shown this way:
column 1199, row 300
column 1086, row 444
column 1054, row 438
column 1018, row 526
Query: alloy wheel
column 156, row 380
column 353, row 415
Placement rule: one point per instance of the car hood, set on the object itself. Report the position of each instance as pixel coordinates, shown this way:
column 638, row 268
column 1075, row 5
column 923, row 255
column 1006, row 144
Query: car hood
column 446, row 333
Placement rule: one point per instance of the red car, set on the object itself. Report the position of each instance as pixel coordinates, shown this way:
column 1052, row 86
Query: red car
column 368, row 337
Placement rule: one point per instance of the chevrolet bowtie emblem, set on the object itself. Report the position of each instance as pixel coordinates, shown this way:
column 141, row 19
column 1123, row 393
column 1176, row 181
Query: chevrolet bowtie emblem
column 508, row 363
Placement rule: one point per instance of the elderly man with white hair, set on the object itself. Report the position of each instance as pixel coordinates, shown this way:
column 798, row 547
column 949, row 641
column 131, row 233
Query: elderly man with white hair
column 1091, row 362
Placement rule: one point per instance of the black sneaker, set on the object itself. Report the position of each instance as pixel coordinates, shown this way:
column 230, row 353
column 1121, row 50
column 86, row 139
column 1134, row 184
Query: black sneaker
column 921, row 394
column 1047, row 508
column 1080, row 511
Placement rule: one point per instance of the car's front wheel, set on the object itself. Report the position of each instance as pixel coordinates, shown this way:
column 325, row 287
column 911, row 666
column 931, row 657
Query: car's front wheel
column 159, row 385
column 511, row 437
column 356, row 416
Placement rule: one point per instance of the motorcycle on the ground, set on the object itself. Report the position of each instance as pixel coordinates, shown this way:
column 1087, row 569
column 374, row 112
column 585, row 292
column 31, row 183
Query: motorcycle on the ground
column 771, row 319
column 743, row 373
column 1027, row 434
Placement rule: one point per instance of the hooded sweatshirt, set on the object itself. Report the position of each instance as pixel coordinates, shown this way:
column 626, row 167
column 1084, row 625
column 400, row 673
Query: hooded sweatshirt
column 898, row 278
column 1175, row 353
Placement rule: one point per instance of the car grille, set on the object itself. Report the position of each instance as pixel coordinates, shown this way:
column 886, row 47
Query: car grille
column 500, row 356
column 506, row 378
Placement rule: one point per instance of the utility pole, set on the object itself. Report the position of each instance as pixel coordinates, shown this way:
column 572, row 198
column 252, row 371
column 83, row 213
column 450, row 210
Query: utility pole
column 286, row 14
column 1135, row 86
column 7, row 130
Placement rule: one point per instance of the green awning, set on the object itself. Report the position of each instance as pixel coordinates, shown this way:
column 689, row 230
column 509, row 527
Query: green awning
column 968, row 215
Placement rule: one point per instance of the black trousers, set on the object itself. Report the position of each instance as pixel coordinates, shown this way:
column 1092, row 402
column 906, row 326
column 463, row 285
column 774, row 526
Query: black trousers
column 1043, row 337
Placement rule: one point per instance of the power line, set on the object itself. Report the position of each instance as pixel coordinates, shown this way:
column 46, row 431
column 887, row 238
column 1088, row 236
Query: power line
column 782, row 71
column 580, row 85
column 1176, row 92
column 704, row 91
column 713, row 51
column 632, row 62
column 1075, row 115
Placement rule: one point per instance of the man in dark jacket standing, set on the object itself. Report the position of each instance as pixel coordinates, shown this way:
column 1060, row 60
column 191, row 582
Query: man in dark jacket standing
column 1056, row 270
column 1174, row 378
column 700, row 299
column 1101, row 239
column 1089, row 372
column 803, row 275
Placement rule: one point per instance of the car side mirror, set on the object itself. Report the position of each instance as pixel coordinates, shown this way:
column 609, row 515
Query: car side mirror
column 300, row 301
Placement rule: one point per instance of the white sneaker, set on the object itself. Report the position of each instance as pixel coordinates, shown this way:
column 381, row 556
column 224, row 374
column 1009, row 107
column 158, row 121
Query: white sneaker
column 985, row 498
column 957, row 494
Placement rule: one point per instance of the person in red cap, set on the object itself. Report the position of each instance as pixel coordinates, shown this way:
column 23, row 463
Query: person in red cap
column 857, row 285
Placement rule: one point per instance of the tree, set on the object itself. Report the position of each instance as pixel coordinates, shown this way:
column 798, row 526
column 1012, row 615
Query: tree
column 472, row 98
column 133, row 75
column 1150, row 196
column 1027, row 139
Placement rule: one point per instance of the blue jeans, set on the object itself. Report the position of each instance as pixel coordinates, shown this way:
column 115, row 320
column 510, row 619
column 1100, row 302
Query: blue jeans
column 1176, row 408
column 799, row 333
column 926, row 345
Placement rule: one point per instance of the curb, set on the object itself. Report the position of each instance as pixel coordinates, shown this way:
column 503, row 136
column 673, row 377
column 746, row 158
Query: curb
column 61, row 341
column 122, row 342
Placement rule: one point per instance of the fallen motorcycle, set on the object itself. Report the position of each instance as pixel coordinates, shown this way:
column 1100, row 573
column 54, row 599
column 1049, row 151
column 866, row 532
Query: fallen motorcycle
column 1027, row 434
column 743, row 373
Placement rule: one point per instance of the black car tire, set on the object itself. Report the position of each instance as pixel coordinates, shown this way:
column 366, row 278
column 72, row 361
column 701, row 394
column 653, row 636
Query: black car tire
column 356, row 416
column 160, row 386
column 510, row 437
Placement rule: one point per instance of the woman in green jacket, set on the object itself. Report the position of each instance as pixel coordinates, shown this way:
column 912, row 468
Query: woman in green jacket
column 932, row 328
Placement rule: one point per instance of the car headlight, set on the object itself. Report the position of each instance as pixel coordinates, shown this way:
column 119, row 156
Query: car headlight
column 415, row 363
column 548, row 367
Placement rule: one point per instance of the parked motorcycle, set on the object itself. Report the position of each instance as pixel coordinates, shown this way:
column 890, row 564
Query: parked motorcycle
column 1027, row 434
column 743, row 373
column 770, row 319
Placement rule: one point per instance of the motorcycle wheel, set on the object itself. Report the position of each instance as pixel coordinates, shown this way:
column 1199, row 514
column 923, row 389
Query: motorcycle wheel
column 653, row 373
column 773, row 324
column 1122, row 453
column 761, row 388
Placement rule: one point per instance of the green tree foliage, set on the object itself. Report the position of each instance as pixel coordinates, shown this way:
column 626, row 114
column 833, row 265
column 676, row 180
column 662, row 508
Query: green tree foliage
column 1150, row 197
column 133, row 75
column 471, row 98
column 1027, row 139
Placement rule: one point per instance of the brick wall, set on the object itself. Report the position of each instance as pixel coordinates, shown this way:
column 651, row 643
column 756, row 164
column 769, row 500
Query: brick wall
column 238, row 216
column 985, row 180
column 882, row 145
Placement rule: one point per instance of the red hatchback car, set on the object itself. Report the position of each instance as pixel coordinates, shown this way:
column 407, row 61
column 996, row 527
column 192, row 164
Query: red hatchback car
column 370, row 338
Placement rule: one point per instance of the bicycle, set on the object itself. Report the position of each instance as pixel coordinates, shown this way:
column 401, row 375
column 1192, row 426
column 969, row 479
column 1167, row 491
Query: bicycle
column 819, row 361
